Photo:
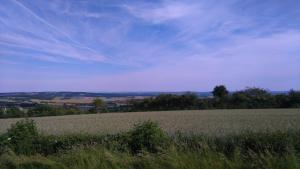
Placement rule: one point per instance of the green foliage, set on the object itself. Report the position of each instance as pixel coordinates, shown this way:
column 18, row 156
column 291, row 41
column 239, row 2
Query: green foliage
column 280, row 143
column 147, row 136
column 282, row 101
column 98, row 102
column 41, row 110
column 168, row 102
column 28, row 162
column 294, row 99
column 266, row 150
column 48, row 110
column 11, row 112
column 55, row 144
column 4, row 142
column 220, row 92
column 22, row 137
column 175, row 158
column 99, row 106
column 252, row 98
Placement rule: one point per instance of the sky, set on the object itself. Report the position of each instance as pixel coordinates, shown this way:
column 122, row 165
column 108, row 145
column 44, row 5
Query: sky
column 168, row 45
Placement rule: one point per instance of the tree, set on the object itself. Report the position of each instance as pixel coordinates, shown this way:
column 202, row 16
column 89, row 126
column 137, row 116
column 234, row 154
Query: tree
column 294, row 99
column 167, row 102
column 11, row 112
column 43, row 110
column 99, row 105
column 253, row 98
column 220, row 92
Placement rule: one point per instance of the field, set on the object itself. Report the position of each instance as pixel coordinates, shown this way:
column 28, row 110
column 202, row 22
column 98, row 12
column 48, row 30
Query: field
column 212, row 122
column 82, row 100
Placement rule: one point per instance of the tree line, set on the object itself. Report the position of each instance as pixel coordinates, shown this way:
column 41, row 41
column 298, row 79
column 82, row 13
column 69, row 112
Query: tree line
column 249, row 98
column 40, row 110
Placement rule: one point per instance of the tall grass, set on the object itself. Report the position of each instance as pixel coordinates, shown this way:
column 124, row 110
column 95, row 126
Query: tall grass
column 146, row 146
column 97, row 157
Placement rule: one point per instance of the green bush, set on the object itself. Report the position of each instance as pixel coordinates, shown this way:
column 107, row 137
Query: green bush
column 147, row 136
column 11, row 112
column 3, row 143
column 54, row 144
column 23, row 137
column 48, row 110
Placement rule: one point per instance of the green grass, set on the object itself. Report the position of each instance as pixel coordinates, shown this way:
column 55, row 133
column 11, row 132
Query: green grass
column 174, row 158
column 273, row 142
column 246, row 150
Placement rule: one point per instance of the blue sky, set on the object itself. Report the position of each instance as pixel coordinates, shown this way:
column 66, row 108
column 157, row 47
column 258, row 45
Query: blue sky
column 89, row 45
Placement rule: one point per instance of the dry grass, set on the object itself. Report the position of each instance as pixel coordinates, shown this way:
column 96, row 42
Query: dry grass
column 213, row 122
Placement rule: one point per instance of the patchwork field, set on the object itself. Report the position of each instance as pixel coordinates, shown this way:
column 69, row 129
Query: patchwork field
column 213, row 122
column 82, row 100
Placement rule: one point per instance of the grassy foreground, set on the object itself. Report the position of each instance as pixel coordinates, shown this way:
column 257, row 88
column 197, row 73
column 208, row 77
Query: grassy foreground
column 96, row 158
column 146, row 146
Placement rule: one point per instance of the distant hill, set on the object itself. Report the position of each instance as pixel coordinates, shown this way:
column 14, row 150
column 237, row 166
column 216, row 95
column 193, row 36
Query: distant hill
column 51, row 95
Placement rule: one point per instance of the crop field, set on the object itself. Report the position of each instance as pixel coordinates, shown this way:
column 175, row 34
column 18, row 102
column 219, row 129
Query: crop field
column 80, row 100
column 212, row 122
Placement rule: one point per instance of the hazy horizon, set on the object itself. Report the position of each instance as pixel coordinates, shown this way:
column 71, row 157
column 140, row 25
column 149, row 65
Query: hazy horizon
column 143, row 46
column 179, row 91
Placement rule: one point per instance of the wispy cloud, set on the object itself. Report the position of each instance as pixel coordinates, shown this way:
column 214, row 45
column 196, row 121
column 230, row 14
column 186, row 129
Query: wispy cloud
column 152, row 45
column 158, row 13
column 246, row 62
column 42, row 36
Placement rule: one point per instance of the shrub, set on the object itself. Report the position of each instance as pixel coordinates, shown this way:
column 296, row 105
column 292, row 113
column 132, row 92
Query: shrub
column 23, row 137
column 147, row 136
column 55, row 144
column 11, row 112
column 3, row 143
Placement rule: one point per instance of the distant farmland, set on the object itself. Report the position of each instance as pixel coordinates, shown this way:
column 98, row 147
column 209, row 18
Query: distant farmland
column 213, row 122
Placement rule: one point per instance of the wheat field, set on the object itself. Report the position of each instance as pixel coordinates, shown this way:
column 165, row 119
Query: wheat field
column 212, row 122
